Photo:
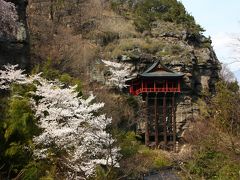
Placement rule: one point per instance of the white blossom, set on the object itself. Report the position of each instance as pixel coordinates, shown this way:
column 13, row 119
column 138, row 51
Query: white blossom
column 120, row 72
column 68, row 123
column 11, row 74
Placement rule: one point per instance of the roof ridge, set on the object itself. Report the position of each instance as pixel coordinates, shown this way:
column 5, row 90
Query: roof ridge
column 155, row 65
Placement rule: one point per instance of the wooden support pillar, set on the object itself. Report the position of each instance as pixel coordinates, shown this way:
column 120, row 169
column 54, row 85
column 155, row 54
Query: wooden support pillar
column 174, row 123
column 156, row 120
column 147, row 123
column 154, row 85
column 164, row 121
column 131, row 90
column 166, row 85
column 179, row 85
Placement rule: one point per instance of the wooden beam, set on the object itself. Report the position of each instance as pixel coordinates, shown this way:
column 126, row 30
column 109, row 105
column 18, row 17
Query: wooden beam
column 179, row 86
column 164, row 121
column 131, row 90
column 154, row 85
column 147, row 123
column 156, row 120
column 174, row 123
column 166, row 85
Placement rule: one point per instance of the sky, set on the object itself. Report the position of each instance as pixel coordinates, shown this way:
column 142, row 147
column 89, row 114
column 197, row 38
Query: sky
column 221, row 20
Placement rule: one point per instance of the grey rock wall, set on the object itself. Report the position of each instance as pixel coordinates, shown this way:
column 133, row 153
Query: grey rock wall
column 201, row 72
column 16, row 50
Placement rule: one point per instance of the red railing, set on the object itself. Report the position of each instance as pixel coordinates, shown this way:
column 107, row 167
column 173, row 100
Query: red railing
column 145, row 90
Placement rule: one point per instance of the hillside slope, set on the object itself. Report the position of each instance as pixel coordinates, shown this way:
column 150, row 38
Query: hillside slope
column 77, row 35
column 76, row 42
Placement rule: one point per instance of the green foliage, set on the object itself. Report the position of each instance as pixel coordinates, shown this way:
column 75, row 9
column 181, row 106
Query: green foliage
column 225, row 107
column 158, row 160
column 144, row 160
column 51, row 72
column 22, row 90
column 206, row 45
column 131, row 100
column 17, row 129
column 229, row 171
column 107, row 37
column 31, row 172
column 213, row 165
column 131, row 46
column 105, row 174
column 204, row 111
column 39, row 170
column 206, row 164
column 128, row 144
column 18, row 126
column 216, row 140
column 147, row 11
column 174, row 50
column 20, row 121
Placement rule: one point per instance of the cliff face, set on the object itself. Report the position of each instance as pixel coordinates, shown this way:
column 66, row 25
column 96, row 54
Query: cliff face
column 199, row 65
column 77, row 34
column 15, row 50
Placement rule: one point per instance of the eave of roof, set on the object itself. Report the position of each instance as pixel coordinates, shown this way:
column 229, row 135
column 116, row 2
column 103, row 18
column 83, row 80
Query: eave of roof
column 161, row 74
column 150, row 73
column 166, row 72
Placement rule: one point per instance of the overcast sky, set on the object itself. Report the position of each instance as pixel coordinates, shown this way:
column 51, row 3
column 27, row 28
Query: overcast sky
column 221, row 20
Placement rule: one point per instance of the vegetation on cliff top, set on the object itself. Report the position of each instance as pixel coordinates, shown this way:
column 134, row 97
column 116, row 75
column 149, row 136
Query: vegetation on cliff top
column 145, row 12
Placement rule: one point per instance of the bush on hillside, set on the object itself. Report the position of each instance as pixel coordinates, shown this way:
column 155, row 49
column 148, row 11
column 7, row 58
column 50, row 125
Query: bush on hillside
column 147, row 11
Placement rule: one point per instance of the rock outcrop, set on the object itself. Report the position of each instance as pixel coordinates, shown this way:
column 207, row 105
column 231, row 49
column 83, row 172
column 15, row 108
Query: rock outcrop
column 15, row 50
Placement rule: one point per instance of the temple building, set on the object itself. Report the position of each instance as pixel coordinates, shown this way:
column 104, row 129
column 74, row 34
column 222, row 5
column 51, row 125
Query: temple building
column 159, row 87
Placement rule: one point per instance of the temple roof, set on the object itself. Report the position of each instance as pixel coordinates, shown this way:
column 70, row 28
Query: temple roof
column 159, row 70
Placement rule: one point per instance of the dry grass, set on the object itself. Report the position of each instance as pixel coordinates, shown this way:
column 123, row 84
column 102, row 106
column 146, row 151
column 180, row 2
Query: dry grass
column 144, row 161
column 115, row 23
column 126, row 46
column 162, row 27
column 153, row 46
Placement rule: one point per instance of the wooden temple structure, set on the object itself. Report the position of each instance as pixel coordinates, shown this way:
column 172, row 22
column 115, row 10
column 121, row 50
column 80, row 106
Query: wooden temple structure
column 159, row 87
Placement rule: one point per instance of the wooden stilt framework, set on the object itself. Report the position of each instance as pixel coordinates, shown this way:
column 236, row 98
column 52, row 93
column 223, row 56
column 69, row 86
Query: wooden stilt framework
column 159, row 86
column 160, row 111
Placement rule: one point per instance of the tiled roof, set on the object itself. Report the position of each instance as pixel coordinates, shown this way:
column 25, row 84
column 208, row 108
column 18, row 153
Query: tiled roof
column 159, row 70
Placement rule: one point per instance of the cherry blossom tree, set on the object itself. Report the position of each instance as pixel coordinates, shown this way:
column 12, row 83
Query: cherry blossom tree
column 120, row 72
column 70, row 125
column 8, row 19
column 11, row 74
